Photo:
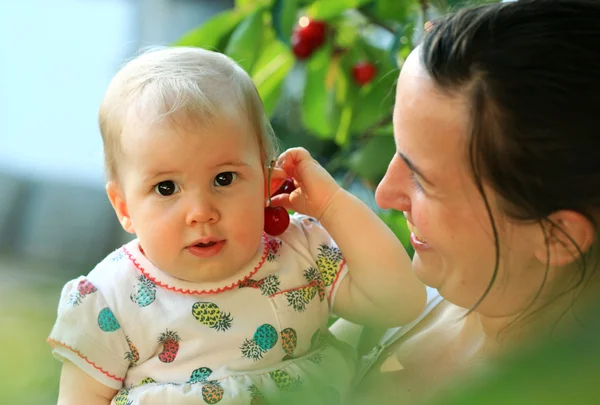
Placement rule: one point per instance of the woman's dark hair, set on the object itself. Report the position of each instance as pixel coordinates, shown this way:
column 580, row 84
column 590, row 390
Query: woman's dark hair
column 531, row 70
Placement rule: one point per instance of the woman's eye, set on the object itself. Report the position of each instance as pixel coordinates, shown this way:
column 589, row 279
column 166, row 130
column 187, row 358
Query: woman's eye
column 166, row 188
column 225, row 179
column 416, row 182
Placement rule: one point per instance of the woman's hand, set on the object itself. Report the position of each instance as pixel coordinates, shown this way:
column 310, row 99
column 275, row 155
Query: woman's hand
column 315, row 187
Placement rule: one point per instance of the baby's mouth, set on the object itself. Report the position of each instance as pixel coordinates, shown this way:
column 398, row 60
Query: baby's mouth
column 415, row 232
column 202, row 245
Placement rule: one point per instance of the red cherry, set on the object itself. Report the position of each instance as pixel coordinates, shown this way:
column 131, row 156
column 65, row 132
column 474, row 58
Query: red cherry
column 314, row 33
column 300, row 47
column 286, row 188
column 277, row 220
column 363, row 72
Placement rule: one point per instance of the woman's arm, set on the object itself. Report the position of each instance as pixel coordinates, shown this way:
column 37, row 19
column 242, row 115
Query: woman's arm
column 77, row 387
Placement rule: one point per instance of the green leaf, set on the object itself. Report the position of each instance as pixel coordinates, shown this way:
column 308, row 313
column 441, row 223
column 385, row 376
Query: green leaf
column 210, row 33
column 246, row 41
column 284, row 16
column 251, row 4
column 376, row 99
column 318, row 100
column 397, row 10
column 326, row 9
column 269, row 73
column 371, row 159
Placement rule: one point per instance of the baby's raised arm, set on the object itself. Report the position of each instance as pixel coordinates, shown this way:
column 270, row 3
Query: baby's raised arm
column 77, row 387
column 380, row 289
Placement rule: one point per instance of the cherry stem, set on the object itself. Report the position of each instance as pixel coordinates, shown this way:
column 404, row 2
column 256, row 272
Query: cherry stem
column 271, row 164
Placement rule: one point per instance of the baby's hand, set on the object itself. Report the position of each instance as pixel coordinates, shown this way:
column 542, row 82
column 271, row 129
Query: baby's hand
column 315, row 187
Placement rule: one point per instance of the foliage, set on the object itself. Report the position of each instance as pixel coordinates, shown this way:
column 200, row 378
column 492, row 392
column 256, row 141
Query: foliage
column 317, row 101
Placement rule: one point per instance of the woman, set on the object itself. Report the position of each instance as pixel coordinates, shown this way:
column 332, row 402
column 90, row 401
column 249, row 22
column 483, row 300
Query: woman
column 497, row 171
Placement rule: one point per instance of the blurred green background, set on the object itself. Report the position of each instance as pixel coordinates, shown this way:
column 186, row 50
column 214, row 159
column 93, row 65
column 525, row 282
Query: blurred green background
column 320, row 96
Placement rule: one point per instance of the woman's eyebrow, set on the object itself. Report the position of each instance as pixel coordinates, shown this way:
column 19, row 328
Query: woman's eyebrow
column 414, row 168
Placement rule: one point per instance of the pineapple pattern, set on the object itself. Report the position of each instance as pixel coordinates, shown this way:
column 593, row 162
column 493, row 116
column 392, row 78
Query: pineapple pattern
column 147, row 380
column 284, row 381
column 170, row 341
column 200, row 375
column 212, row 392
column 300, row 297
column 274, row 246
column 268, row 285
column 145, row 292
column 256, row 397
column 209, row 314
column 313, row 276
column 122, row 397
column 133, row 355
column 263, row 340
column 117, row 255
column 329, row 259
column 107, row 321
column 84, row 288
column 289, row 341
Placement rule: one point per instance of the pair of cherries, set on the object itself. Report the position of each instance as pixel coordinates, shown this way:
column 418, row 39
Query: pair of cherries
column 277, row 219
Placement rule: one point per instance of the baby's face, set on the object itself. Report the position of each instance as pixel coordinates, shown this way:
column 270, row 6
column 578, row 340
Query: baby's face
column 195, row 196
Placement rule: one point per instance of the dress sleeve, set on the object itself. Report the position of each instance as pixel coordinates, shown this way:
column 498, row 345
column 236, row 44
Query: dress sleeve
column 87, row 333
column 330, row 262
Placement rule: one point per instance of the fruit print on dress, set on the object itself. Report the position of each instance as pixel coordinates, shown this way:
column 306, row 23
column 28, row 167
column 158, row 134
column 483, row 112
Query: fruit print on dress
column 121, row 397
column 268, row 285
column 284, row 381
column 145, row 292
column 274, row 246
column 107, row 321
column 329, row 259
column 117, row 255
column 133, row 355
column 264, row 339
column 147, row 380
column 256, row 397
column 200, row 375
column 84, row 288
column 212, row 392
column 300, row 297
column 314, row 278
column 170, row 341
column 289, row 341
column 209, row 314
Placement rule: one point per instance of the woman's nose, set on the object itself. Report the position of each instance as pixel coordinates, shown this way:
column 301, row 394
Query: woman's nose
column 390, row 192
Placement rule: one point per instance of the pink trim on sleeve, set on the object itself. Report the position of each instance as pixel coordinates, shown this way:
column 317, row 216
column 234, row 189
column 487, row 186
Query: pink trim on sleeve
column 53, row 343
column 335, row 280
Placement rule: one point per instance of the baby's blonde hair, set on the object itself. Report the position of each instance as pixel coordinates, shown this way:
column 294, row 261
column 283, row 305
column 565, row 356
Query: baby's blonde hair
column 200, row 84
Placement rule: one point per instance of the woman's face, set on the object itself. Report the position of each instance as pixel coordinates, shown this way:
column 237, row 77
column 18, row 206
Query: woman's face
column 430, row 181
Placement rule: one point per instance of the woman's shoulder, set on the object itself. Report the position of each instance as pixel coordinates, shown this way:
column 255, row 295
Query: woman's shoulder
column 355, row 334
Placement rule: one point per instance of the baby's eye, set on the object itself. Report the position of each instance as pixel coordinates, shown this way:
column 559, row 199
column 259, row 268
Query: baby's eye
column 225, row 179
column 166, row 188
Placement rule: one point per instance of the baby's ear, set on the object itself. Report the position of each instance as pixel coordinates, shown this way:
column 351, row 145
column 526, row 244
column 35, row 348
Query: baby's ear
column 278, row 177
column 119, row 205
column 568, row 235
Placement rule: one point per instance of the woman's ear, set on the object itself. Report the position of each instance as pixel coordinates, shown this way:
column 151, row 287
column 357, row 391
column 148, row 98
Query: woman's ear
column 119, row 205
column 568, row 235
column 278, row 177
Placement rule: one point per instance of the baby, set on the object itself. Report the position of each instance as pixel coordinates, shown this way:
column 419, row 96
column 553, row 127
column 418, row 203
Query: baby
column 204, row 305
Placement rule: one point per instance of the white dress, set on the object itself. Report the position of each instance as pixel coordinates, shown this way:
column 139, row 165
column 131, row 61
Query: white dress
column 252, row 338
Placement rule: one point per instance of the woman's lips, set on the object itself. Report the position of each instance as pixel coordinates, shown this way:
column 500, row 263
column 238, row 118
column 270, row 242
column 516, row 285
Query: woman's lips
column 416, row 239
